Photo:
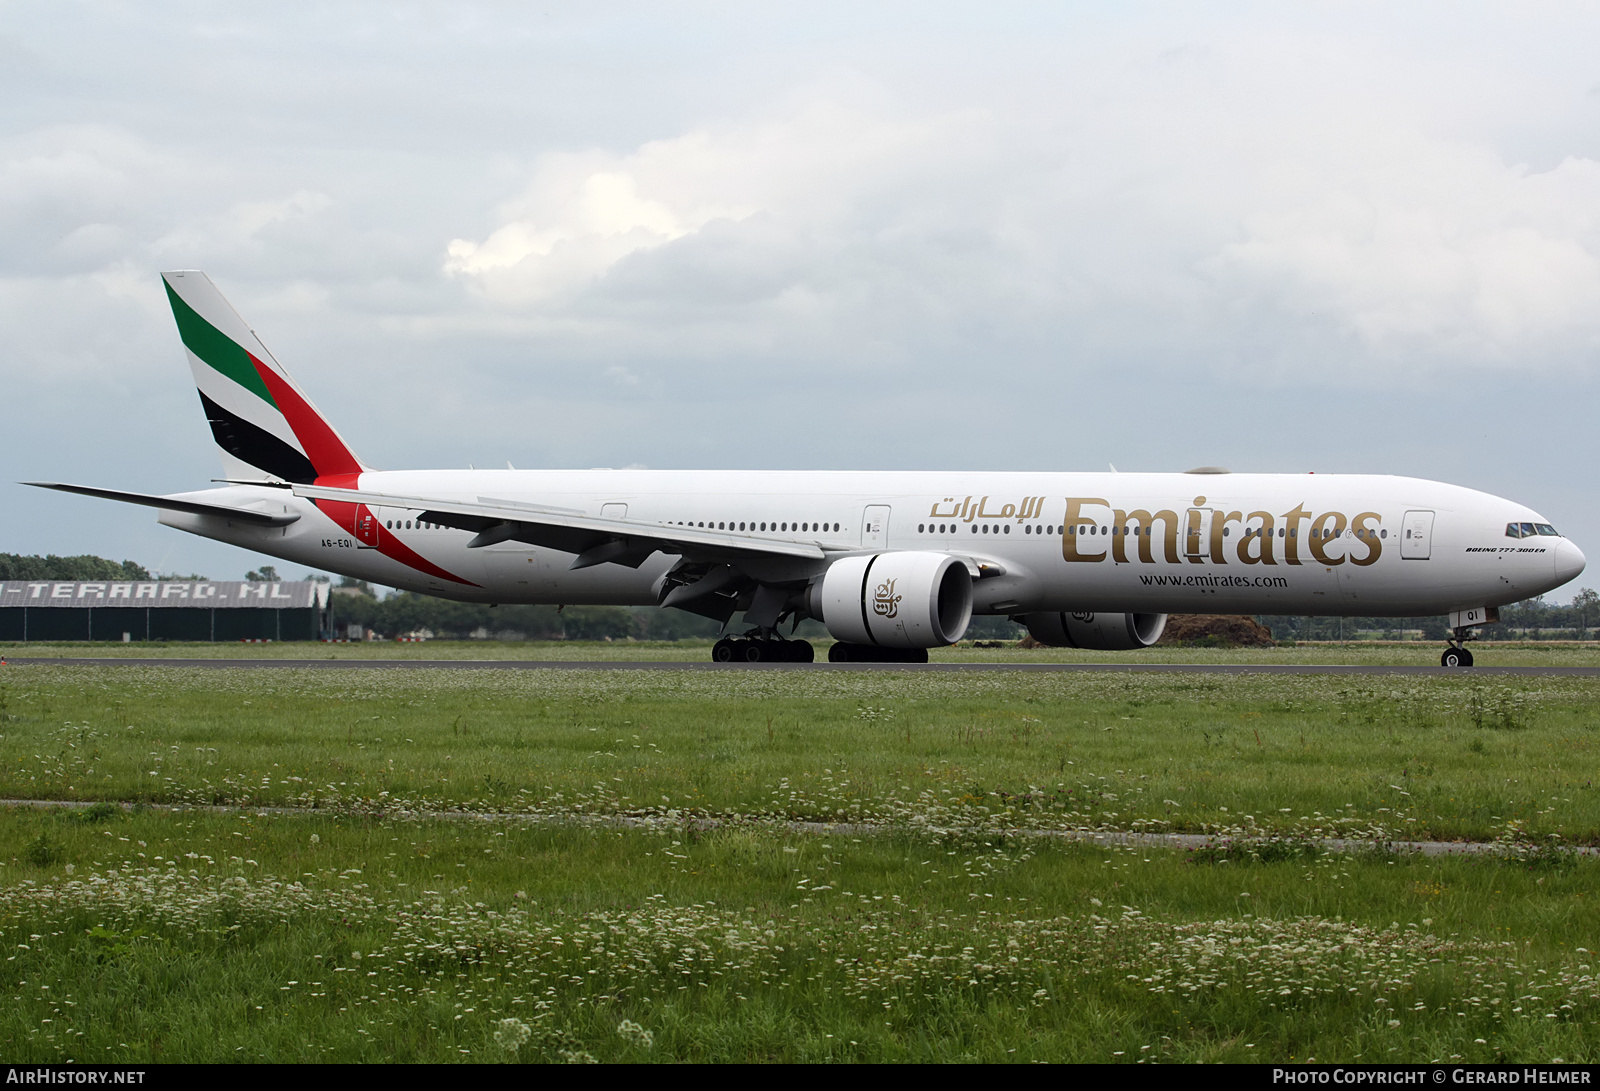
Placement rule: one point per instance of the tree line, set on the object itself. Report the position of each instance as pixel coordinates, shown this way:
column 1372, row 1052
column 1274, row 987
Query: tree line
column 14, row 566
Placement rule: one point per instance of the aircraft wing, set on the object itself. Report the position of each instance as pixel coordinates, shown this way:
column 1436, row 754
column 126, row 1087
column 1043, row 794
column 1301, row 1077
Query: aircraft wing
column 594, row 540
column 173, row 503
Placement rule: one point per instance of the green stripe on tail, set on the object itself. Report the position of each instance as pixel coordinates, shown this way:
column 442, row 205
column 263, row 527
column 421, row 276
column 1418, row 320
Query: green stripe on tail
column 219, row 351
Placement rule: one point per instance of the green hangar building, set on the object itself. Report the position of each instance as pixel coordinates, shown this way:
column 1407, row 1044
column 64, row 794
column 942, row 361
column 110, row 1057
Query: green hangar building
column 214, row 610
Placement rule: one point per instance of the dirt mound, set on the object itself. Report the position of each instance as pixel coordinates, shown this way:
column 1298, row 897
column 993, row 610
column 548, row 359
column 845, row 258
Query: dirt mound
column 1229, row 630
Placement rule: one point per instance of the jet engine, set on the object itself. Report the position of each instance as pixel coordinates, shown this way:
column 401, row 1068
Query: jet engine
column 894, row 600
column 1098, row 632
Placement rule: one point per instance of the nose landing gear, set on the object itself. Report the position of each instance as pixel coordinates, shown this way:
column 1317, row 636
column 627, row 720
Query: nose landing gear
column 1456, row 655
column 1462, row 626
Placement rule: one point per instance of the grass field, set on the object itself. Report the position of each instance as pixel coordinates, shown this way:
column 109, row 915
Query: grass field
column 1551, row 653
column 500, row 866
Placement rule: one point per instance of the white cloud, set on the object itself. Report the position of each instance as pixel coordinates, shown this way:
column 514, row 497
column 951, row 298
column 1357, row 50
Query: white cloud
column 236, row 232
column 1163, row 206
column 1449, row 255
column 583, row 213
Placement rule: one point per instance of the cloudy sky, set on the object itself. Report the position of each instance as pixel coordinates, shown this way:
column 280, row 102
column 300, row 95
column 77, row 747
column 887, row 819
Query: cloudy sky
column 1341, row 237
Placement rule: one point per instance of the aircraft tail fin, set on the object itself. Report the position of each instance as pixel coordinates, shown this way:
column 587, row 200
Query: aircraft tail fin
column 262, row 421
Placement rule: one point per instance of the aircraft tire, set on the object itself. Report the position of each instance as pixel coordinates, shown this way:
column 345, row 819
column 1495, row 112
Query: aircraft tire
column 1456, row 657
column 737, row 650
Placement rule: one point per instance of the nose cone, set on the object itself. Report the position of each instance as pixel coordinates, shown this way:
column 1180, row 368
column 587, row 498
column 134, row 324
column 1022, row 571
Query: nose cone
column 1569, row 561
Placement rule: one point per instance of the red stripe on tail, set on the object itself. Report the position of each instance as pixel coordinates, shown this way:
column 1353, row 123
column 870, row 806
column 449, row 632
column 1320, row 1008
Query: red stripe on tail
column 322, row 444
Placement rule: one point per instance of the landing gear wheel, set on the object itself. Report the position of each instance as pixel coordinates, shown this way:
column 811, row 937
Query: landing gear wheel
column 733, row 649
column 1456, row 657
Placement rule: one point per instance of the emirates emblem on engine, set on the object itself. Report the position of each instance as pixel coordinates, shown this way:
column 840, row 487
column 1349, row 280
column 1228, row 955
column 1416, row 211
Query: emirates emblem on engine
column 885, row 602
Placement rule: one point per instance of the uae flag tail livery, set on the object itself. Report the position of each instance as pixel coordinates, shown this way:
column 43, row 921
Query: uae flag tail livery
column 264, row 424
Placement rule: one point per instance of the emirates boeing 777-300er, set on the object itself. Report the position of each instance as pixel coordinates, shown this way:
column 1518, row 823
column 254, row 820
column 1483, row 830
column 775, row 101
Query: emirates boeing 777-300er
column 891, row 563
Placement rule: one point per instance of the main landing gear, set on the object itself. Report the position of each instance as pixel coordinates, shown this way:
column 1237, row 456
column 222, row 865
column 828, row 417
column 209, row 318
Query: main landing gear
column 772, row 649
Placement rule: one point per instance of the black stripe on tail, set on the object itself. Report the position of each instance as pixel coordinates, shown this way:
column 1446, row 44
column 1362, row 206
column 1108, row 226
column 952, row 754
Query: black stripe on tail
column 260, row 448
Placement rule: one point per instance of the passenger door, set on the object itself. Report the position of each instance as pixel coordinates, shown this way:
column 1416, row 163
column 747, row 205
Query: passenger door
column 1416, row 536
column 875, row 527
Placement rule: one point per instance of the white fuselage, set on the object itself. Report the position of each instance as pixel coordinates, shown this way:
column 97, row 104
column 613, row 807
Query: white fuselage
column 1164, row 543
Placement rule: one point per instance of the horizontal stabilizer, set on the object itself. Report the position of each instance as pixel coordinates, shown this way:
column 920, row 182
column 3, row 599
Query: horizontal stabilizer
column 167, row 503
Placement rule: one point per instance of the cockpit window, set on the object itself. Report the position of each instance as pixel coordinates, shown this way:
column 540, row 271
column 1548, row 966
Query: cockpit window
column 1513, row 530
column 1531, row 530
column 1547, row 530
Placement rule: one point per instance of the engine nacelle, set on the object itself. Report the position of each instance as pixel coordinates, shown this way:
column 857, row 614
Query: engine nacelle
column 1099, row 632
column 894, row 600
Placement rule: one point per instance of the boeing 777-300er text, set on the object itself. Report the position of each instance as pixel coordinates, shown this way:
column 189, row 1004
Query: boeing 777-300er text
column 891, row 563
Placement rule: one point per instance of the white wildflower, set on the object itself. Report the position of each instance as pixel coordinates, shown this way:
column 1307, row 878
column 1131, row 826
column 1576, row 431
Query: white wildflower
column 510, row 1034
column 634, row 1034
